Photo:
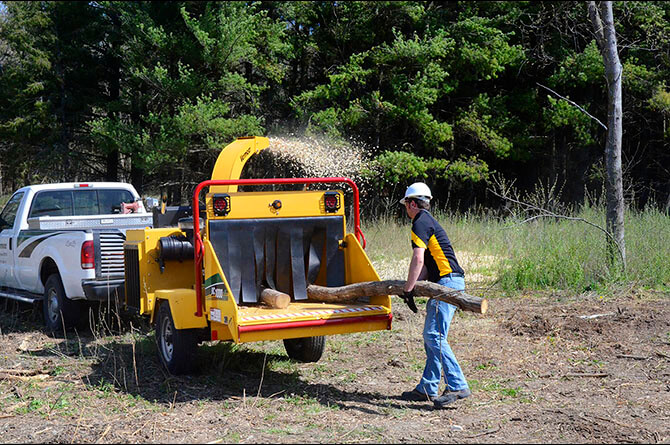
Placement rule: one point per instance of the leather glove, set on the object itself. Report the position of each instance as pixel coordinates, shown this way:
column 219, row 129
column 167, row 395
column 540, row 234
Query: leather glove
column 408, row 298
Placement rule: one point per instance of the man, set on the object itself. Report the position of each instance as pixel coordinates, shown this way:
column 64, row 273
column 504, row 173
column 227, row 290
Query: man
column 433, row 258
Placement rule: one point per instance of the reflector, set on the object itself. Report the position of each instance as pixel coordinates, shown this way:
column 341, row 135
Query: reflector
column 221, row 204
column 331, row 202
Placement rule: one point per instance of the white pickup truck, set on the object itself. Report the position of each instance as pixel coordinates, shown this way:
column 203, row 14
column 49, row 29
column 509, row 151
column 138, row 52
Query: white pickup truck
column 62, row 244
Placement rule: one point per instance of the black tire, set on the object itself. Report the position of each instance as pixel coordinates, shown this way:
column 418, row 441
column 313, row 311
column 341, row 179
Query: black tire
column 308, row 349
column 59, row 311
column 176, row 347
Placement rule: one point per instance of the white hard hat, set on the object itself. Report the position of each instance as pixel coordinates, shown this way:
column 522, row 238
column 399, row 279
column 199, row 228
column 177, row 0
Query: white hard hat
column 418, row 190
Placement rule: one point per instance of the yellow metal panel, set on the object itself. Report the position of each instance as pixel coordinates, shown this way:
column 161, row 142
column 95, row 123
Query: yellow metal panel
column 183, row 307
column 359, row 268
column 220, row 308
column 177, row 274
column 259, row 205
column 233, row 157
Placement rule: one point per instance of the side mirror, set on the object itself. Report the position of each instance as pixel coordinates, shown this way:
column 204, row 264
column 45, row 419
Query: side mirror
column 150, row 203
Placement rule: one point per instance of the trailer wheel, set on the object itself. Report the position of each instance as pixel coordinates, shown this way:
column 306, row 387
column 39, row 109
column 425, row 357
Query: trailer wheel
column 59, row 311
column 308, row 349
column 176, row 347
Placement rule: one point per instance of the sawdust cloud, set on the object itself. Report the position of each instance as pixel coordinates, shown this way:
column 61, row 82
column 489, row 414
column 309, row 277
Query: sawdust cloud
column 318, row 157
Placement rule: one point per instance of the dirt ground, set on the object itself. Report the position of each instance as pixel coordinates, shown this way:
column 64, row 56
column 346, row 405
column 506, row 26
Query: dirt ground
column 544, row 368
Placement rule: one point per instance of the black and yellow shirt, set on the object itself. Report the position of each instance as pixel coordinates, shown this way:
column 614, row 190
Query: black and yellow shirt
column 439, row 258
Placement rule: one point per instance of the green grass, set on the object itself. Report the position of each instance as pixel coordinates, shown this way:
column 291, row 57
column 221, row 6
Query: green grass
column 546, row 253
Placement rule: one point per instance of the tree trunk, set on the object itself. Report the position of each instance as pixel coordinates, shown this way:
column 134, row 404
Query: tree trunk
column 351, row 292
column 603, row 26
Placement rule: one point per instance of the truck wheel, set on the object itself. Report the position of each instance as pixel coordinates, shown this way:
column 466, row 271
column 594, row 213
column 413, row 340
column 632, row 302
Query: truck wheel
column 308, row 349
column 59, row 311
column 176, row 347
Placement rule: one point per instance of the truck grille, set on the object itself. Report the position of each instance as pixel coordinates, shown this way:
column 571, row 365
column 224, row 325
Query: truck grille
column 132, row 261
column 110, row 261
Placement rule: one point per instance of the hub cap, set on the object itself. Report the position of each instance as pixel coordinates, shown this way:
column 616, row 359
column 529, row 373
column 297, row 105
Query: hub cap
column 166, row 339
column 53, row 309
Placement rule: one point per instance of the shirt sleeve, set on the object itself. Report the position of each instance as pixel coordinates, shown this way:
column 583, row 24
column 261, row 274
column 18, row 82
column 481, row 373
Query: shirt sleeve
column 420, row 234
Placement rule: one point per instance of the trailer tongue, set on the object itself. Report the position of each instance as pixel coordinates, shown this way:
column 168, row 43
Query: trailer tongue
column 204, row 281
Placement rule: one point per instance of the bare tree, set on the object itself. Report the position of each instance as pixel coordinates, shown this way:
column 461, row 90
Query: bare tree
column 602, row 20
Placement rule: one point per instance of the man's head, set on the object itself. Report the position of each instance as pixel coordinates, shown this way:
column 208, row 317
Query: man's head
column 417, row 197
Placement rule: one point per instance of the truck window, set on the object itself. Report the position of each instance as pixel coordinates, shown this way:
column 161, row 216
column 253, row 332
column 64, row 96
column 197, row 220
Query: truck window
column 79, row 202
column 52, row 203
column 8, row 215
column 110, row 200
column 86, row 202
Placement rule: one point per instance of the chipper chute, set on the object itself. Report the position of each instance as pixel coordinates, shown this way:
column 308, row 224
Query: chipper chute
column 203, row 279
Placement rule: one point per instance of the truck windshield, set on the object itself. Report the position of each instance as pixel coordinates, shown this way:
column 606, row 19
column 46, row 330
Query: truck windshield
column 79, row 202
column 8, row 214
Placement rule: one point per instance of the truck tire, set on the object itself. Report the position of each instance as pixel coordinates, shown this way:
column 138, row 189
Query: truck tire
column 308, row 349
column 59, row 311
column 176, row 347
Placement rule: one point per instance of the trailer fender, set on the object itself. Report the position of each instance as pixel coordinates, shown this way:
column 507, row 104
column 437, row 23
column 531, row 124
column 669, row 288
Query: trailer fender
column 182, row 306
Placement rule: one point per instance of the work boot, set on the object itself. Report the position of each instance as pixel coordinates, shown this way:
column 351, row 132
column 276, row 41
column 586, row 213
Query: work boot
column 448, row 397
column 417, row 396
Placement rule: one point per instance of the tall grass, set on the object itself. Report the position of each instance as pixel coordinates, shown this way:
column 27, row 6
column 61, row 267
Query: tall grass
column 543, row 254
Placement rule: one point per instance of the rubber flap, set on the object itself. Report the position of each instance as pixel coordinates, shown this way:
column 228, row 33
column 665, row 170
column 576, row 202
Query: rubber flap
column 284, row 254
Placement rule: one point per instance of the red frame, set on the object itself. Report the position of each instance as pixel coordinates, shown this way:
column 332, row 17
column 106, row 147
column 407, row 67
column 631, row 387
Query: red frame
column 198, row 245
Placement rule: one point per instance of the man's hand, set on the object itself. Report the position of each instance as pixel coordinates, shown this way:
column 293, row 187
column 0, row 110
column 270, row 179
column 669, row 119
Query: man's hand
column 408, row 298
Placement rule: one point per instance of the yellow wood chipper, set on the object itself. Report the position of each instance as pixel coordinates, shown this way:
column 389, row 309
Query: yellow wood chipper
column 199, row 277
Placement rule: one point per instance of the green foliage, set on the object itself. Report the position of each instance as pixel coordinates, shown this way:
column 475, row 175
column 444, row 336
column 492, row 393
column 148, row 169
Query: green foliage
column 479, row 123
column 579, row 70
column 148, row 92
column 660, row 101
column 401, row 167
column 563, row 114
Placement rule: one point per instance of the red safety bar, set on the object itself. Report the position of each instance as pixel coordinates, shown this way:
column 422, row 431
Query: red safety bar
column 198, row 245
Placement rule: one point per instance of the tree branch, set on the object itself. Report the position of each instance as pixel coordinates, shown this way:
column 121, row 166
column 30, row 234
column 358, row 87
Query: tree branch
column 574, row 104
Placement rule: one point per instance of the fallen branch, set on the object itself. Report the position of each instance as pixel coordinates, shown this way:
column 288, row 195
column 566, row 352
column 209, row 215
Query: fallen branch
column 586, row 374
column 484, row 433
column 352, row 292
column 19, row 371
column 632, row 357
column 24, row 378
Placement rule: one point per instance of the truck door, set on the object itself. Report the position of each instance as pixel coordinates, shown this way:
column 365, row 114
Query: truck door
column 8, row 229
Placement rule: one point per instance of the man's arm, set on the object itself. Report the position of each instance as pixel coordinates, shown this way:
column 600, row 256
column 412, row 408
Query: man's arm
column 416, row 268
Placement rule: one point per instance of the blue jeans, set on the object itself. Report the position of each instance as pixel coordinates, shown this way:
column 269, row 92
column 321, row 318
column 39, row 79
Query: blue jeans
column 439, row 355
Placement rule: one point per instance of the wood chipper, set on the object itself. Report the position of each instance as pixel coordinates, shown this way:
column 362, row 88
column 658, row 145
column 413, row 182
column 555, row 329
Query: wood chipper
column 200, row 272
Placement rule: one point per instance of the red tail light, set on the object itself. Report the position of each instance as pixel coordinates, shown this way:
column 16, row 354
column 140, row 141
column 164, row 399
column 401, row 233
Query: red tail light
column 87, row 255
column 331, row 201
column 221, row 204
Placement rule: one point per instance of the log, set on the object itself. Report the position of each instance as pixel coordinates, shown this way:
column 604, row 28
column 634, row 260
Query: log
column 351, row 292
column 275, row 299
